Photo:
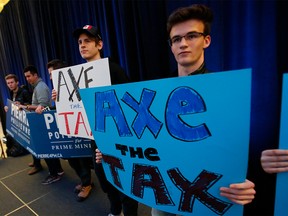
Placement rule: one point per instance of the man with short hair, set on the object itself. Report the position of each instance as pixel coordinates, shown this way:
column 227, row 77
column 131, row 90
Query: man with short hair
column 81, row 165
column 19, row 96
column 41, row 99
column 189, row 35
column 90, row 47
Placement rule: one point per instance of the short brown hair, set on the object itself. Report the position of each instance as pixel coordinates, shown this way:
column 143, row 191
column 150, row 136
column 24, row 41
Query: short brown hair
column 56, row 64
column 11, row 76
column 195, row 11
column 32, row 69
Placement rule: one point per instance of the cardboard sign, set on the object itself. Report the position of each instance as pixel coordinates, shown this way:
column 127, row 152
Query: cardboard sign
column 172, row 143
column 67, row 81
column 281, row 207
column 39, row 134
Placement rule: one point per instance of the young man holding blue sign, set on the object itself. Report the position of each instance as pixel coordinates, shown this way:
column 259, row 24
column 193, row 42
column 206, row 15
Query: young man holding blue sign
column 189, row 33
column 41, row 89
column 41, row 99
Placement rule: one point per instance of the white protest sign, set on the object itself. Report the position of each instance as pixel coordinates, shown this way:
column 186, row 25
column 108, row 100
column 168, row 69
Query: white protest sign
column 71, row 116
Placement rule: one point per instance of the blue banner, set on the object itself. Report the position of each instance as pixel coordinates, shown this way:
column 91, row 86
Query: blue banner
column 39, row 134
column 172, row 143
column 281, row 207
column 17, row 124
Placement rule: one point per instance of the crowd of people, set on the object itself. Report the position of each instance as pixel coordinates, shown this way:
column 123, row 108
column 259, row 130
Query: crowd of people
column 189, row 35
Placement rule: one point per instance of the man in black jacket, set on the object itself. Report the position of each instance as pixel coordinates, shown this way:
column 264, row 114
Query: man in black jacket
column 90, row 46
column 19, row 96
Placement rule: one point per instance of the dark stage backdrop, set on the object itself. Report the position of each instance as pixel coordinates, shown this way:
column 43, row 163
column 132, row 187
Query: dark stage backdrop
column 245, row 34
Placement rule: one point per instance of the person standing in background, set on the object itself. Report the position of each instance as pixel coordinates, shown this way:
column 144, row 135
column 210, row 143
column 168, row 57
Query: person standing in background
column 81, row 165
column 90, row 46
column 19, row 96
column 41, row 99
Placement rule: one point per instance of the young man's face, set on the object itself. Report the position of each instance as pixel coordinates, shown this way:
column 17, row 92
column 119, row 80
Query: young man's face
column 190, row 51
column 88, row 48
column 12, row 84
column 31, row 79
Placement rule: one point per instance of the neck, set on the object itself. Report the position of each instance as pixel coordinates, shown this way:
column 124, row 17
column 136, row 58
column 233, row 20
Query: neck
column 16, row 90
column 97, row 57
column 36, row 81
column 190, row 69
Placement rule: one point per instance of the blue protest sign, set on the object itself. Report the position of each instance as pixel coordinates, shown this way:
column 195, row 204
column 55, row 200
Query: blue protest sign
column 17, row 124
column 172, row 143
column 39, row 134
column 281, row 207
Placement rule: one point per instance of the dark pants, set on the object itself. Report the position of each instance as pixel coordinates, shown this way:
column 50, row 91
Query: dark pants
column 54, row 166
column 82, row 167
column 37, row 162
column 117, row 199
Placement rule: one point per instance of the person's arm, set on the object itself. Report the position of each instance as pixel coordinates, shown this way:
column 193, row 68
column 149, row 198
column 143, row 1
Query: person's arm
column 28, row 107
column 240, row 193
column 274, row 160
column 39, row 109
column 43, row 97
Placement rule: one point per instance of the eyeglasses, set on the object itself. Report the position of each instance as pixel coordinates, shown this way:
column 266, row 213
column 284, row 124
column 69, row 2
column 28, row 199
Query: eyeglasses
column 190, row 36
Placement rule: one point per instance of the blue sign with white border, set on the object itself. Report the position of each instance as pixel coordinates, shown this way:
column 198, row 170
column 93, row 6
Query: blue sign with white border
column 39, row 134
column 172, row 143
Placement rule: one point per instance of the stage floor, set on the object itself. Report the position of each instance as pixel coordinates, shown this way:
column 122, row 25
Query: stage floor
column 21, row 194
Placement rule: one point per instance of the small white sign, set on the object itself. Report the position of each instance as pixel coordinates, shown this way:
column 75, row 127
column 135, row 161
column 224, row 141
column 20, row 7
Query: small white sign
column 71, row 115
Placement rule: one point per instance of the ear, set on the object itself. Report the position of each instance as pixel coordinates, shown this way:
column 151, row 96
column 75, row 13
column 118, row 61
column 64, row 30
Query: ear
column 207, row 41
column 100, row 45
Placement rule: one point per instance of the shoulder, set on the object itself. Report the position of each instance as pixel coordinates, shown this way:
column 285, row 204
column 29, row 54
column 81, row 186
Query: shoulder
column 41, row 87
column 43, row 84
column 173, row 73
column 117, row 73
column 114, row 67
column 23, row 90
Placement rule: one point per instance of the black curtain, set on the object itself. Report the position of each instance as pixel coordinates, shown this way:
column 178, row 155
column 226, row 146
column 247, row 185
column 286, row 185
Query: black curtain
column 245, row 34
